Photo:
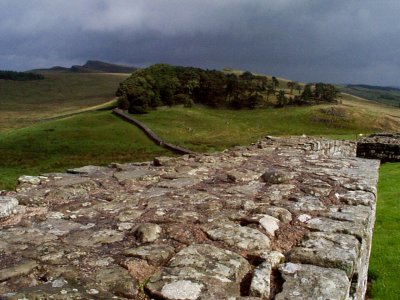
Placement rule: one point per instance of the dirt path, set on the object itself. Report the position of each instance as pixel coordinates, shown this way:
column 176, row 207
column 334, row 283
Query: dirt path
column 80, row 111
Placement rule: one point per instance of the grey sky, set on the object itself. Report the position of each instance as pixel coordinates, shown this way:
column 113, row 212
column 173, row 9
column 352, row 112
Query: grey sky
column 355, row 41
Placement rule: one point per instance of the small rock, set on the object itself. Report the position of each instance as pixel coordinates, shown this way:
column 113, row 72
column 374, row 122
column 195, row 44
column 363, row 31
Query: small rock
column 125, row 226
column 8, row 206
column 273, row 257
column 304, row 218
column 147, row 232
column 22, row 268
column 34, row 180
column 277, row 212
column 182, row 290
column 156, row 254
column 240, row 236
column 163, row 161
column 261, row 282
column 118, row 281
column 312, row 282
column 270, row 224
column 129, row 215
column 88, row 170
column 276, row 176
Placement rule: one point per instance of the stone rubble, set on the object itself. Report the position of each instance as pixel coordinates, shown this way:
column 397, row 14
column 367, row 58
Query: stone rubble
column 285, row 218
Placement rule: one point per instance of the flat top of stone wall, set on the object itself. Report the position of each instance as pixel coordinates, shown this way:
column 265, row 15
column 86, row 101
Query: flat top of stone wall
column 384, row 138
column 284, row 218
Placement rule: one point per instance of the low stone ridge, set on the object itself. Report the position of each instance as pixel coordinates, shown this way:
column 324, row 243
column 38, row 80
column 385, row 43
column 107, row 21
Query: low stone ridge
column 285, row 218
column 383, row 146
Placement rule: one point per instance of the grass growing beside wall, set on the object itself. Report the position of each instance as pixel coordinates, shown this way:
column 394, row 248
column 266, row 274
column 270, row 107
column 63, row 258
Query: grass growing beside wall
column 91, row 138
column 384, row 270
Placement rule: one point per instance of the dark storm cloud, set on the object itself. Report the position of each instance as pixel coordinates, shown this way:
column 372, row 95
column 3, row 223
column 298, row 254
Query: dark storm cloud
column 308, row 40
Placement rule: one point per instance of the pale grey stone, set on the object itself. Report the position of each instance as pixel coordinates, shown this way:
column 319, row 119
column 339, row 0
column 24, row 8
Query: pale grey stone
column 136, row 174
column 182, row 290
column 328, row 250
column 358, row 198
column 88, row 170
column 8, row 206
column 272, row 257
column 34, row 180
column 218, row 271
column 239, row 236
column 277, row 212
column 312, row 282
column 304, row 218
column 270, row 224
column 260, row 285
column 335, row 226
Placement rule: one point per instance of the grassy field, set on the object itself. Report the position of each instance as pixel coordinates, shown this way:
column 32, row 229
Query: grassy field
column 90, row 138
column 100, row 138
column 385, row 256
column 191, row 127
column 23, row 103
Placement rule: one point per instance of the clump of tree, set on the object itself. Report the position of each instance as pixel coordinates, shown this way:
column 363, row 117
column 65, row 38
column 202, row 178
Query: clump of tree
column 162, row 84
column 315, row 94
column 20, row 76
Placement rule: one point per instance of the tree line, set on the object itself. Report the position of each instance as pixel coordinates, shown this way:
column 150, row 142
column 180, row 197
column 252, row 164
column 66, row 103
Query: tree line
column 162, row 84
column 20, row 76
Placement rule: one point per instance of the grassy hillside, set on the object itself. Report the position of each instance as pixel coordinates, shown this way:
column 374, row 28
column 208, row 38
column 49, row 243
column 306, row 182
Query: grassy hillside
column 205, row 129
column 24, row 102
column 90, row 138
column 100, row 138
column 385, row 95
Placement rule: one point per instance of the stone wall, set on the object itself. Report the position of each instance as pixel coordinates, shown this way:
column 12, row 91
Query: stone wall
column 383, row 146
column 285, row 218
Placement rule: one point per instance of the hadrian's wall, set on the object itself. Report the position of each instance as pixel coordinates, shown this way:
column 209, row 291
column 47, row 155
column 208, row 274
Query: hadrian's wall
column 286, row 218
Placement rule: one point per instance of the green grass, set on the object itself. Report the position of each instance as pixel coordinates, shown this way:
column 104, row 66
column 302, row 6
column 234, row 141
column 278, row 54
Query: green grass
column 24, row 102
column 204, row 129
column 385, row 257
column 100, row 137
column 91, row 138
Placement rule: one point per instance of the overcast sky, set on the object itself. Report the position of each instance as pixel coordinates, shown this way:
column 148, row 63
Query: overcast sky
column 352, row 41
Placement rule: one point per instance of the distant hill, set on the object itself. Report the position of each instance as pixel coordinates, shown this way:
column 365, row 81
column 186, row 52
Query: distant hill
column 91, row 66
column 383, row 94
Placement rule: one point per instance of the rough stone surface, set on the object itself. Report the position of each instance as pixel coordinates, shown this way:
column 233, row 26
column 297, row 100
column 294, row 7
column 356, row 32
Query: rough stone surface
column 157, row 254
column 261, row 282
column 199, row 226
column 8, row 206
column 328, row 250
column 311, row 282
column 147, row 232
column 205, row 270
column 240, row 236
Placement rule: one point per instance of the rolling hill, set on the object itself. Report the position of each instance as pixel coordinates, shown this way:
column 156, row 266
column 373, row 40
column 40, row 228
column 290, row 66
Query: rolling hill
column 91, row 66
column 381, row 94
